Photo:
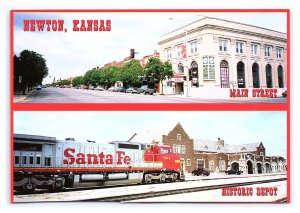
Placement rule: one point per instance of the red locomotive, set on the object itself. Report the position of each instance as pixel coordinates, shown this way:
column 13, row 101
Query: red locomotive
column 46, row 163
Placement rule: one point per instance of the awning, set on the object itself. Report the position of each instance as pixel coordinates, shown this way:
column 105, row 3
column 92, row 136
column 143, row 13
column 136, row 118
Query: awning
column 178, row 78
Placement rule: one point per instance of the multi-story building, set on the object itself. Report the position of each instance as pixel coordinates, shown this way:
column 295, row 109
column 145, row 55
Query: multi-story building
column 217, row 156
column 211, row 56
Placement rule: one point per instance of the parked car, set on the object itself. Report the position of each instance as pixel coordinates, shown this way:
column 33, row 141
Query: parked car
column 284, row 94
column 146, row 90
column 131, row 90
column 201, row 171
column 38, row 87
column 99, row 88
column 120, row 89
column 111, row 89
column 233, row 172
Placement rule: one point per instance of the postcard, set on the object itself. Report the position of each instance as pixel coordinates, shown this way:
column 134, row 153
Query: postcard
column 201, row 156
column 150, row 56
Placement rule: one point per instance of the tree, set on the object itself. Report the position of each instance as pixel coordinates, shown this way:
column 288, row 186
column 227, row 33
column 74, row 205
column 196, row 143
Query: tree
column 157, row 71
column 131, row 73
column 32, row 67
column 77, row 81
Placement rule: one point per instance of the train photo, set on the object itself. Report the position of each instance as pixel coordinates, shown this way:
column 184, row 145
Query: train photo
column 42, row 162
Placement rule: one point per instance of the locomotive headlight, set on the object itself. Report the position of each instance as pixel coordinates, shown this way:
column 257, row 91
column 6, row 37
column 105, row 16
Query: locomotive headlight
column 177, row 161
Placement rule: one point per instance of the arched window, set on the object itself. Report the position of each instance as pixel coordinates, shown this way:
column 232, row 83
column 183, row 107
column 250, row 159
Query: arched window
column 193, row 74
column 180, row 68
column 255, row 75
column 241, row 75
column 224, row 74
column 269, row 76
column 280, row 76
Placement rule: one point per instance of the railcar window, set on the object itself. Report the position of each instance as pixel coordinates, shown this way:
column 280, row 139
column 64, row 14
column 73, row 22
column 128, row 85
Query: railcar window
column 47, row 161
column 27, row 147
column 24, row 160
column 17, row 159
column 30, row 160
column 144, row 146
column 128, row 146
column 38, row 160
column 165, row 151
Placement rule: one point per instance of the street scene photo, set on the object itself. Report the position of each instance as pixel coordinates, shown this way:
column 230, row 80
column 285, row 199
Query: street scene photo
column 140, row 157
column 125, row 57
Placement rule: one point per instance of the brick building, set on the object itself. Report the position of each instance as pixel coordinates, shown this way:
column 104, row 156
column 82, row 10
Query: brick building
column 217, row 156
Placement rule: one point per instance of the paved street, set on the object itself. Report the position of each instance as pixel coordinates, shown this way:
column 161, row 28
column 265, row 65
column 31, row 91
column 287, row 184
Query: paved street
column 67, row 95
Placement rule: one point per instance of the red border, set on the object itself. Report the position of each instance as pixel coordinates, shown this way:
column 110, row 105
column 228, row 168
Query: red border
column 150, row 107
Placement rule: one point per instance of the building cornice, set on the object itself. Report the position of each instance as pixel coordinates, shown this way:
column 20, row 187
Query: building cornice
column 221, row 28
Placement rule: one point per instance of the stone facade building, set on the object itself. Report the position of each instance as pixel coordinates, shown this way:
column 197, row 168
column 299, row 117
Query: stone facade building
column 211, row 55
column 217, row 156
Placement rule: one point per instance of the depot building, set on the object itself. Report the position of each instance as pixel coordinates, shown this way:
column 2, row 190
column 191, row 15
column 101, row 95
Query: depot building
column 218, row 156
column 218, row 58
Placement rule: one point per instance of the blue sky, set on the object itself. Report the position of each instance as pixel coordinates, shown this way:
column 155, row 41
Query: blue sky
column 72, row 54
column 238, row 127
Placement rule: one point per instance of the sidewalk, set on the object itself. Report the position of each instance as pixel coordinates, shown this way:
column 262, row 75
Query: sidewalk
column 19, row 97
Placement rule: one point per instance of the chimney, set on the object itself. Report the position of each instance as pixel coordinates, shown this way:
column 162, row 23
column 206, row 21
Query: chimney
column 220, row 142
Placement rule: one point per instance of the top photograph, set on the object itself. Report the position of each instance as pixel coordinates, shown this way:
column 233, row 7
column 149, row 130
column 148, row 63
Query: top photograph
column 149, row 56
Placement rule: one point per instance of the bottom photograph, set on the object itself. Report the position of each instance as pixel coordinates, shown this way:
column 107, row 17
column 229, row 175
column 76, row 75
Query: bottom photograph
column 150, row 157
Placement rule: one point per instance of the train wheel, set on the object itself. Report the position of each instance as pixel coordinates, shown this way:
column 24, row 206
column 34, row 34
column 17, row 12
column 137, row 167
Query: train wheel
column 29, row 188
column 163, row 178
column 175, row 177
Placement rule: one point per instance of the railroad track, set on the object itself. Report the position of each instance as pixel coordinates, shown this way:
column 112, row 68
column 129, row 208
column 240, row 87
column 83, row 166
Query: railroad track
column 137, row 196
column 45, row 191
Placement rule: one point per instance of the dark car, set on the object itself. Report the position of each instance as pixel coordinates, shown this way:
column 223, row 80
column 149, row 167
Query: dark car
column 38, row 87
column 284, row 94
column 201, row 171
column 233, row 172
column 131, row 90
column 146, row 90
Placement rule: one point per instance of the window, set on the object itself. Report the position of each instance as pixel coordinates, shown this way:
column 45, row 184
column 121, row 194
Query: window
column 168, row 53
column 267, row 51
column 254, row 49
column 179, row 51
column 222, row 165
column 180, row 68
column 261, row 153
column 193, row 46
column 24, row 160
column 239, row 47
column 174, row 148
column 165, row 150
column 30, row 160
column 17, row 159
column 208, row 67
column 183, row 150
column 200, row 164
column 38, row 160
column 47, row 161
column 212, row 165
column 223, row 46
column 179, row 149
column 279, row 52
column 179, row 137
column 188, row 162
column 128, row 146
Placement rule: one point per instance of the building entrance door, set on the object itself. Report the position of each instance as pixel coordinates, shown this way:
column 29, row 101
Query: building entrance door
column 250, row 167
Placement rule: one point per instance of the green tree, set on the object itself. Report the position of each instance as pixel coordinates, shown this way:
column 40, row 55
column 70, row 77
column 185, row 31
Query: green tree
column 131, row 73
column 77, row 81
column 32, row 67
column 157, row 71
